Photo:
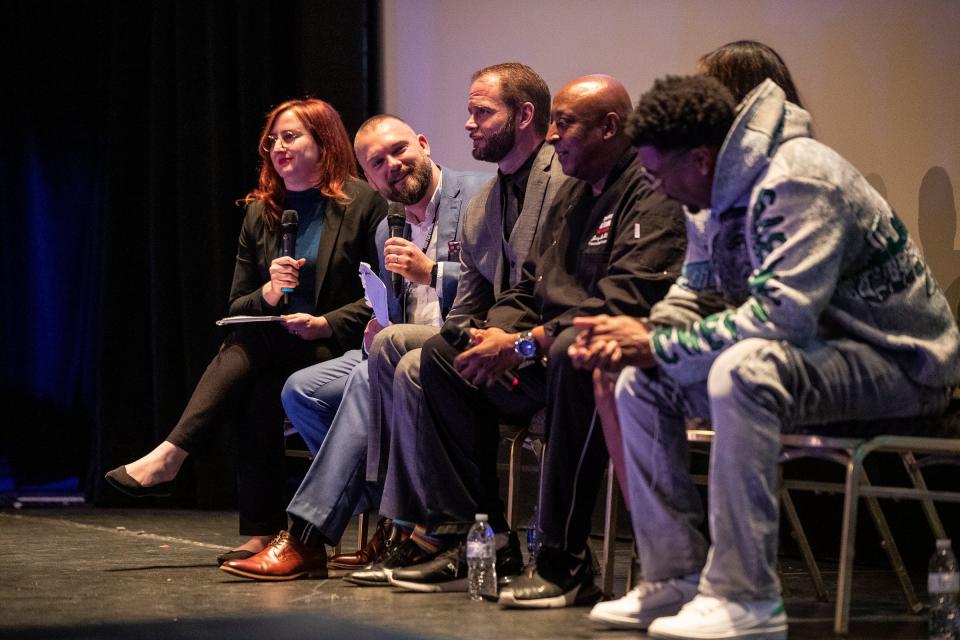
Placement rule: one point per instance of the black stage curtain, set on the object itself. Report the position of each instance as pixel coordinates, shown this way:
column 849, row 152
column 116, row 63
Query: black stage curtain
column 134, row 131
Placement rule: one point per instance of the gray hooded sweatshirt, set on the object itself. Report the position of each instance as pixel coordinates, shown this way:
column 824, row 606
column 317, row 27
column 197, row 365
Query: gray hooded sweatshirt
column 802, row 249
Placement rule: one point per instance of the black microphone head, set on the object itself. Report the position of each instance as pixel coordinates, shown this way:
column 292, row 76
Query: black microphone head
column 289, row 225
column 289, row 218
column 396, row 218
column 456, row 336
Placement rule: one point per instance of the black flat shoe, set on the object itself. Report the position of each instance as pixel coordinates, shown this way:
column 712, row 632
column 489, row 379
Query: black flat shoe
column 236, row 554
column 120, row 480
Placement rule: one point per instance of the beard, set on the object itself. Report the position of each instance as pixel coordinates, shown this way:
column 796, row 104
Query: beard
column 497, row 146
column 414, row 186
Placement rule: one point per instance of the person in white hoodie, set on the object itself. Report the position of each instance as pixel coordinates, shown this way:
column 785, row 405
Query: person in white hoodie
column 828, row 314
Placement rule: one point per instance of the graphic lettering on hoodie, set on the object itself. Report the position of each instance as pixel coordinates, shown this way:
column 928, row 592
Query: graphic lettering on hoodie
column 892, row 267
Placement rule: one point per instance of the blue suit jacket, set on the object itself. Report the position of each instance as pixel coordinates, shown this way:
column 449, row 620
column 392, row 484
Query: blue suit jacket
column 457, row 187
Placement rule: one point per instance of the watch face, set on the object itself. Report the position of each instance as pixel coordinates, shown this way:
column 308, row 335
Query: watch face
column 526, row 347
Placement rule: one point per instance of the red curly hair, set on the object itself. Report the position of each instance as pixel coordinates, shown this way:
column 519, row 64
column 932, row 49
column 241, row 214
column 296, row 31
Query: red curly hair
column 336, row 160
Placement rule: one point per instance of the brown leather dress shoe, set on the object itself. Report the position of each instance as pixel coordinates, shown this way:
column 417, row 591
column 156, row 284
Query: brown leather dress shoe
column 285, row 558
column 385, row 536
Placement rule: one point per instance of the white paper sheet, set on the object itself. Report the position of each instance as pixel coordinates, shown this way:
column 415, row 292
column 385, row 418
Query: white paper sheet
column 376, row 294
column 246, row 319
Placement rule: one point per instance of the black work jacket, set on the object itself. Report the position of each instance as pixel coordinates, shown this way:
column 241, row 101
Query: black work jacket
column 616, row 253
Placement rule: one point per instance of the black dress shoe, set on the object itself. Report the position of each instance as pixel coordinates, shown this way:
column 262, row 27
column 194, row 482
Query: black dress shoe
column 235, row 554
column 404, row 554
column 448, row 570
column 120, row 480
column 557, row 579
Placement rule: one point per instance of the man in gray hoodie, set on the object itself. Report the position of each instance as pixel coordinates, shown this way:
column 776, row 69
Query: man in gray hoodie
column 828, row 313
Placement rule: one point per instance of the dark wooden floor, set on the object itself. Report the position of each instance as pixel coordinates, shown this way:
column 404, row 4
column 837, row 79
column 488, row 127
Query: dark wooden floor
column 81, row 572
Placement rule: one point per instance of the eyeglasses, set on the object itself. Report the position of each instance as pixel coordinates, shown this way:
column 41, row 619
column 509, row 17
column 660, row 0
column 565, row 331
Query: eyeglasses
column 286, row 137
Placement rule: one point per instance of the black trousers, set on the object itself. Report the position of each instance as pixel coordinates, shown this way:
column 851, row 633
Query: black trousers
column 458, row 473
column 242, row 384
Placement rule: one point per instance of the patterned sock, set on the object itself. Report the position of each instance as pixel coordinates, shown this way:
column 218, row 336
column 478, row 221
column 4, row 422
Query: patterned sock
column 404, row 525
column 429, row 544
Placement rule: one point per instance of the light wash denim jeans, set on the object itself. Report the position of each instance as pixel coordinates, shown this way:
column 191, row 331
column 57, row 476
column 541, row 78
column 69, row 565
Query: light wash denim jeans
column 755, row 390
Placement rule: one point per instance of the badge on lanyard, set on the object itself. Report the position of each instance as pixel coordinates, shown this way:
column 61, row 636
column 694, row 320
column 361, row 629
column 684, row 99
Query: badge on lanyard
column 453, row 251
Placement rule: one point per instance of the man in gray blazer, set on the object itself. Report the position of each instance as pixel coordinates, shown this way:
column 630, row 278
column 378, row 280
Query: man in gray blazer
column 509, row 114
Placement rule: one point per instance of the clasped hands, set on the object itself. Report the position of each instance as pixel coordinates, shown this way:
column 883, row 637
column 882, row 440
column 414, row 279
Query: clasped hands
column 610, row 343
column 490, row 356
column 606, row 343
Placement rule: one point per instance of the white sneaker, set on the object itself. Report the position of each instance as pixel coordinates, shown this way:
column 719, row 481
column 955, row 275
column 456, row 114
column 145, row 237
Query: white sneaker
column 706, row 617
column 646, row 602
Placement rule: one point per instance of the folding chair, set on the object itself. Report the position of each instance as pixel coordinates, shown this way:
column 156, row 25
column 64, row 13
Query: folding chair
column 851, row 452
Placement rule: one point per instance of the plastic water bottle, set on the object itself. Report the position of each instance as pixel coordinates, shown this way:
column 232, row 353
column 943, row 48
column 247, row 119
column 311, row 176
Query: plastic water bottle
column 943, row 583
column 481, row 560
column 533, row 535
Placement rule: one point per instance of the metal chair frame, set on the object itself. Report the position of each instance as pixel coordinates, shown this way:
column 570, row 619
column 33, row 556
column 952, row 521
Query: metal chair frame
column 852, row 453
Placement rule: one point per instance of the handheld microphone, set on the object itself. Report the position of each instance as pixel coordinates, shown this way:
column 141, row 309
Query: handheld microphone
column 289, row 223
column 456, row 336
column 396, row 220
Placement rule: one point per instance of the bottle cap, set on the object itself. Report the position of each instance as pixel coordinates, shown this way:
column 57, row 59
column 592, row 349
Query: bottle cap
column 942, row 543
column 482, row 517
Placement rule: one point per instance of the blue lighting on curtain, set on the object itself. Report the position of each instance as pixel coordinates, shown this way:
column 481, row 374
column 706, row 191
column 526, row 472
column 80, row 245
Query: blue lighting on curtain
column 44, row 330
column 51, row 322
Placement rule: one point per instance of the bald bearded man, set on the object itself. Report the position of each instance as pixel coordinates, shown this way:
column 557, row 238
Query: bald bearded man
column 610, row 242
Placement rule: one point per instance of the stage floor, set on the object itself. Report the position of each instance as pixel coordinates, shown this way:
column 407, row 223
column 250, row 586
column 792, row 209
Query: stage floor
column 81, row 572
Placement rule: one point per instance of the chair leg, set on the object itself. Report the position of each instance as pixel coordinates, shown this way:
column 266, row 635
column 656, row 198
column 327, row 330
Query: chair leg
column 890, row 546
column 612, row 508
column 796, row 527
column 634, row 570
column 913, row 470
column 363, row 526
column 513, row 474
column 851, row 500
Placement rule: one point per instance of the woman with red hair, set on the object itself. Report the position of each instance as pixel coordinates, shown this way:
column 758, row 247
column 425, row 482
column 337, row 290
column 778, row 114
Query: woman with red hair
column 307, row 165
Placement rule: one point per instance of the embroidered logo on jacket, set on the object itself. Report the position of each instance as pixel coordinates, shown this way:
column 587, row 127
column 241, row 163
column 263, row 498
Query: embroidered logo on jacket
column 602, row 233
